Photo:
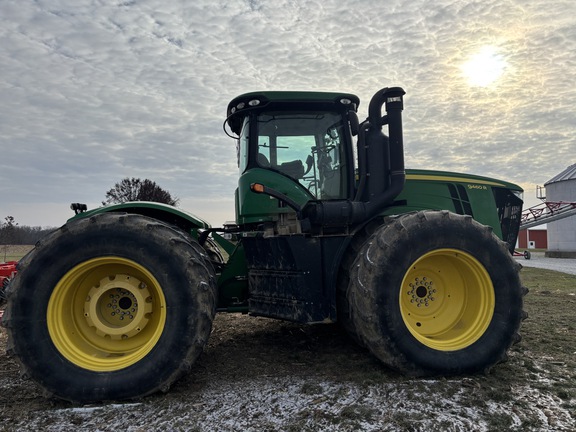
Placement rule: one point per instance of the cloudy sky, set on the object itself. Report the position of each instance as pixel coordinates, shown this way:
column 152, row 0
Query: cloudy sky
column 93, row 91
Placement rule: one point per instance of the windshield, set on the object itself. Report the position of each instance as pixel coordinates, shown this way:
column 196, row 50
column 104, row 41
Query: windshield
column 308, row 147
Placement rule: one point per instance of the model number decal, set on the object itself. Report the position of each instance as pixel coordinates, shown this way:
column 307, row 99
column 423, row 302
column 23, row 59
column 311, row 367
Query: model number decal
column 477, row 186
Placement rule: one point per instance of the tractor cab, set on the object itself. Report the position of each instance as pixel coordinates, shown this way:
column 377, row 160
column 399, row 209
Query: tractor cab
column 298, row 144
column 296, row 147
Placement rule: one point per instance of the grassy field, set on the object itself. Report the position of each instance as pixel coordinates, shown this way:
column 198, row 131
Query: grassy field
column 13, row 252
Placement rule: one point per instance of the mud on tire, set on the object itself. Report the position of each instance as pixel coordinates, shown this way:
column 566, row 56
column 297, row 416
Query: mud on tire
column 110, row 307
column 3, row 288
column 434, row 293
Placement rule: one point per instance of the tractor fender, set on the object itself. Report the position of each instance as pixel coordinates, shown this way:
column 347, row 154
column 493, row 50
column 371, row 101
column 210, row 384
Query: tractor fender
column 163, row 212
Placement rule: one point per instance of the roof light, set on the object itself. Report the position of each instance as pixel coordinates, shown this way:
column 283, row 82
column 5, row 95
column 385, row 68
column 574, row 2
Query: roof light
column 254, row 102
column 241, row 105
column 345, row 101
column 233, row 110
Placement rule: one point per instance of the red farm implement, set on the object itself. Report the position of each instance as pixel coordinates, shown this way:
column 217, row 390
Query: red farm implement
column 542, row 213
column 546, row 212
column 7, row 271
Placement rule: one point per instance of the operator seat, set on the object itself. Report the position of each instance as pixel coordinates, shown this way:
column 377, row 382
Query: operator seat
column 294, row 169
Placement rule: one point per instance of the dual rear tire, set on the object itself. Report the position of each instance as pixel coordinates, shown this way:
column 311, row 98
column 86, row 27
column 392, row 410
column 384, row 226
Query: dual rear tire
column 434, row 293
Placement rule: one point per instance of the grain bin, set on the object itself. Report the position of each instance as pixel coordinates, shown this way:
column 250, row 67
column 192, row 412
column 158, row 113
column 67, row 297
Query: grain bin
column 562, row 233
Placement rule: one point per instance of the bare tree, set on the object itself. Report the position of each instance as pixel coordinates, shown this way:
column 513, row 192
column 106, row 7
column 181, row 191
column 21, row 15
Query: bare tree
column 7, row 233
column 134, row 189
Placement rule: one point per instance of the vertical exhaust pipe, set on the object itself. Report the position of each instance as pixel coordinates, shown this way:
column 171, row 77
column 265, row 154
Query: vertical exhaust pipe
column 385, row 155
column 394, row 106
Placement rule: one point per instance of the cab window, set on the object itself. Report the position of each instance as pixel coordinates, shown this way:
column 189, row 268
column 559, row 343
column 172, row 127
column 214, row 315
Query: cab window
column 308, row 147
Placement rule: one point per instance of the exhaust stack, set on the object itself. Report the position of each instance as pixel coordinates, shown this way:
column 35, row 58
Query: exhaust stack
column 381, row 157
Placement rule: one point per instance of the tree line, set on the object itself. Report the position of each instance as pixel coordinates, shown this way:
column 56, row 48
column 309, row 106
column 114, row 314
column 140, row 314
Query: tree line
column 128, row 189
column 13, row 234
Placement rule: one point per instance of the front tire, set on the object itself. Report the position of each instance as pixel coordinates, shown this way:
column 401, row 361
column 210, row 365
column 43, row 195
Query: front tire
column 435, row 293
column 110, row 307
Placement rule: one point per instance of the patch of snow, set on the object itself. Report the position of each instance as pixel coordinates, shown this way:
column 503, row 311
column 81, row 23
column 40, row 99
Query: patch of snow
column 284, row 403
column 92, row 409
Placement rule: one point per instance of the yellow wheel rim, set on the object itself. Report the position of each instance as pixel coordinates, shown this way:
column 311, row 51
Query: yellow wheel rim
column 447, row 299
column 106, row 314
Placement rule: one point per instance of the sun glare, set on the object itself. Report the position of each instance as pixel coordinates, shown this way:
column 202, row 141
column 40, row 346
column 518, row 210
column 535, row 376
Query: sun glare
column 484, row 67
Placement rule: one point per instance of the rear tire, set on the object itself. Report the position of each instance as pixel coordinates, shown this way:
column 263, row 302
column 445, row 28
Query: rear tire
column 435, row 293
column 3, row 288
column 110, row 307
column 345, row 315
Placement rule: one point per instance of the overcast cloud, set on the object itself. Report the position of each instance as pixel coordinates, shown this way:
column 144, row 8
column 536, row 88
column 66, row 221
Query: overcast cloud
column 95, row 91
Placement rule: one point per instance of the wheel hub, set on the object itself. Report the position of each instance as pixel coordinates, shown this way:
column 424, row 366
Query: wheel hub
column 118, row 307
column 421, row 290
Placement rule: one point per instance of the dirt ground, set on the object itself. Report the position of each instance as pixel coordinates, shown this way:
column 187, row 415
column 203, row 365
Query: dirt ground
column 264, row 375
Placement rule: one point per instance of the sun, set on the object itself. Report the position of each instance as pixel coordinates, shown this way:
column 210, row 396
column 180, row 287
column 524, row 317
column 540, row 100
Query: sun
column 484, row 67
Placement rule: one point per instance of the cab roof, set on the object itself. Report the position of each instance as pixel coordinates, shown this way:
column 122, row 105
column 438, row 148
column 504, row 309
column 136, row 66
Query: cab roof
column 288, row 100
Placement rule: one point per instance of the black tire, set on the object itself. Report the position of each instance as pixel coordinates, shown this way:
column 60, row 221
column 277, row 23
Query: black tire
column 347, row 264
column 435, row 293
column 3, row 288
column 527, row 255
column 111, row 307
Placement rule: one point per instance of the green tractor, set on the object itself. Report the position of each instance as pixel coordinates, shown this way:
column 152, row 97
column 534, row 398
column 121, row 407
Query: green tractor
column 118, row 303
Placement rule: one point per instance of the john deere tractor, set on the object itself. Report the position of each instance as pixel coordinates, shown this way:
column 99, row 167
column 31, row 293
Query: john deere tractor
column 118, row 303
